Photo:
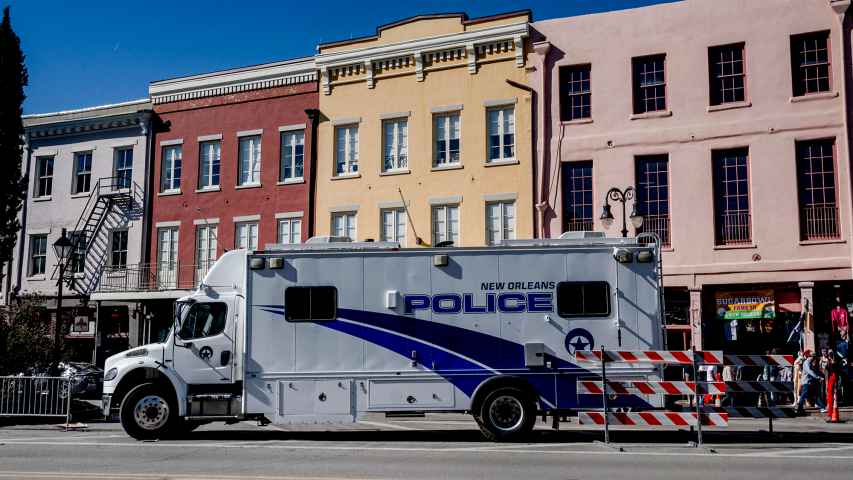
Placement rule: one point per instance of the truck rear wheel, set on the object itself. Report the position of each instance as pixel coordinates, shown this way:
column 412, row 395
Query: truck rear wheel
column 149, row 412
column 506, row 414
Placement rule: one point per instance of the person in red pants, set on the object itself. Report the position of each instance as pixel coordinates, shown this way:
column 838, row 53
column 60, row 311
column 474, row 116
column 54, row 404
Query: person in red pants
column 833, row 375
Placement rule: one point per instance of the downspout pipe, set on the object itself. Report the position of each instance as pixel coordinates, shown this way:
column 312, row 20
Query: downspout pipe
column 541, row 48
column 532, row 147
column 314, row 117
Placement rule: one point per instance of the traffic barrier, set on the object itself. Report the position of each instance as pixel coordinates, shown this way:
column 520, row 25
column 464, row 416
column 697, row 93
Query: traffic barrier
column 753, row 412
column 680, row 419
column 759, row 386
column 646, row 356
column 36, row 397
column 647, row 388
column 759, row 360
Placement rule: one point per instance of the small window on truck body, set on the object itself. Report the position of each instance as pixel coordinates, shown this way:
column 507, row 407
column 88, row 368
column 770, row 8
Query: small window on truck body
column 310, row 304
column 583, row 299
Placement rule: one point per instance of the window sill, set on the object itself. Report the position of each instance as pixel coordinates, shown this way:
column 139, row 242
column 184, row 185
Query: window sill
column 644, row 116
column 498, row 163
column 581, row 121
column 38, row 278
column 667, row 249
column 449, row 167
column 292, row 181
column 205, row 190
column 394, row 172
column 166, row 194
column 345, row 176
column 734, row 247
column 80, row 195
column 729, row 106
column 41, row 199
column 248, row 185
column 815, row 96
column 821, row 242
column 121, row 273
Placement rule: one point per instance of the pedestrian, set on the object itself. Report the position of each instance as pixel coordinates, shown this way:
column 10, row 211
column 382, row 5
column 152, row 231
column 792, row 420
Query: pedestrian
column 728, row 376
column 798, row 373
column 822, row 372
column 811, row 382
column 833, row 376
column 773, row 375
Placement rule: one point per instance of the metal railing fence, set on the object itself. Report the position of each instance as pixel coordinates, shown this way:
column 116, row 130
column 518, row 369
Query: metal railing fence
column 579, row 226
column 36, row 397
column 660, row 225
column 734, row 229
column 140, row 277
column 820, row 223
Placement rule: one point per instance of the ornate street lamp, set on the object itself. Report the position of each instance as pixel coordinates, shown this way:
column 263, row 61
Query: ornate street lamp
column 62, row 248
column 622, row 196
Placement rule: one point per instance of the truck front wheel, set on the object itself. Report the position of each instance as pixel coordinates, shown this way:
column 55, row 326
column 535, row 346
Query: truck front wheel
column 507, row 414
column 149, row 412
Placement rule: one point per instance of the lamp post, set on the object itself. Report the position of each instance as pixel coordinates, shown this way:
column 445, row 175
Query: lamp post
column 62, row 248
column 622, row 196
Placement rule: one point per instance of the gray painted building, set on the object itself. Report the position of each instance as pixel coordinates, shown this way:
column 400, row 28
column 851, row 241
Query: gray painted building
column 88, row 174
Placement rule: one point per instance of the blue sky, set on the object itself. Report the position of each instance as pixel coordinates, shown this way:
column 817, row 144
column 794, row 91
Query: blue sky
column 87, row 53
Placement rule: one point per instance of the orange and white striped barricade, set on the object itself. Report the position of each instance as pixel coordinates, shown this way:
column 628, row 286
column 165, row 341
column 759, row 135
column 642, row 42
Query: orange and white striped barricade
column 588, row 387
column 761, row 386
column 678, row 419
column 759, row 360
column 753, row 412
column 691, row 357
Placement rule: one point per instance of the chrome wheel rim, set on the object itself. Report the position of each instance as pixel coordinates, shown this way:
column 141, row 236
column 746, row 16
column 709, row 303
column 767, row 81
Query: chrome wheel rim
column 151, row 412
column 506, row 413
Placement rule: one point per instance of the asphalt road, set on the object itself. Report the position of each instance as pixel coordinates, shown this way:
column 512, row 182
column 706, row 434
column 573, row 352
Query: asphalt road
column 434, row 447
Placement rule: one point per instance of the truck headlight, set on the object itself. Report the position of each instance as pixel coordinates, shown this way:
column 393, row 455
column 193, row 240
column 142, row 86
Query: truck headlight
column 111, row 374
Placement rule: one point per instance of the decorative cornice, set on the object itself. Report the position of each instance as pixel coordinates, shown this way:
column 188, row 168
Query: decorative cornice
column 840, row 8
column 454, row 45
column 76, row 126
column 237, row 80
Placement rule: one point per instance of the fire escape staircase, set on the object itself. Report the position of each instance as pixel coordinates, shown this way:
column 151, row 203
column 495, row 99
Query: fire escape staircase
column 107, row 193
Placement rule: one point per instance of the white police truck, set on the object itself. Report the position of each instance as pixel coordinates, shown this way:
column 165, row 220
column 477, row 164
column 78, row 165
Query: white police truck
column 326, row 331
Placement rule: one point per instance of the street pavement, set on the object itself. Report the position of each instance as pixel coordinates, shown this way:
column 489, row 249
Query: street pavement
column 437, row 446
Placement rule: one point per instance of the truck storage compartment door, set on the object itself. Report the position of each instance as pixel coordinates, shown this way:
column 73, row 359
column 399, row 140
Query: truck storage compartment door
column 410, row 394
column 332, row 397
column 314, row 397
column 295, row 397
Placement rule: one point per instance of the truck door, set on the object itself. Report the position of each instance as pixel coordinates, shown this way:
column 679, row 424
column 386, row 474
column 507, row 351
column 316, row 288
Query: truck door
column 204, row 348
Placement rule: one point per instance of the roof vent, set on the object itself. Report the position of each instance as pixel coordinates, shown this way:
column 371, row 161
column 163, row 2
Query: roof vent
column 585, row 234
column 329, row 239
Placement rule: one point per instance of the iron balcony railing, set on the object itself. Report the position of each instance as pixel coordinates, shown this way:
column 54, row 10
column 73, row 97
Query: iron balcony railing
column 659, row 224
column 820, row 223
column 734, row 229
column 142, row 277
column 579, row 226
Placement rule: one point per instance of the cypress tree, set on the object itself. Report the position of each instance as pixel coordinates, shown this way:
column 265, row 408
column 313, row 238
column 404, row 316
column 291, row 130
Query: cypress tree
column 13, row 182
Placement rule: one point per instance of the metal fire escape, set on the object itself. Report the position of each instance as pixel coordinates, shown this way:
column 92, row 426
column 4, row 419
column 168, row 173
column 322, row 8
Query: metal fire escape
column 107, row 193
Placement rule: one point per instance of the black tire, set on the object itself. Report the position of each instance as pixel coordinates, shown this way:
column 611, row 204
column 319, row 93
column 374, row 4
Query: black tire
column 507, row 414
column 149, row 412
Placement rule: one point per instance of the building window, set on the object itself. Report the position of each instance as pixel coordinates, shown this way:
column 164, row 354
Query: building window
column 210, row 165
column 83, row 173
column 118, row 249
column 344, row 225
column 124, row 168
column 44, row 187
column 653, row 194
column 731, row 194
column 78, row 255
column 576, row 96
column 396, row 145
column 38, row 256
column 250, row 161
column 446, row 136
column 394, row 226
column 292, row 155
column 810, row 59
column 167, row 258
column 246, row 236
column 171, row 169
column 577, row 197
column 818, row 202
column 205, row 250
column 728, row 75
column 650, row 84
column 445, row 224
column 501, row 222
column 290, row 231
column 346, row 150
column 501, row 134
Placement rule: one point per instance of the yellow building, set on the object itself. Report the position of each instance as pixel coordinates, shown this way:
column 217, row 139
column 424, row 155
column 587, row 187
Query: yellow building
column 425, row 108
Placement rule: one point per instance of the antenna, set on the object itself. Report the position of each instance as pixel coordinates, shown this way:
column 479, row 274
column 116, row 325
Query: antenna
column 418, row 240
column 210, row 229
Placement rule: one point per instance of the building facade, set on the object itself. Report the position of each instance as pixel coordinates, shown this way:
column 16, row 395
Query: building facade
column 87, row 171
column 422, row 137
column 728, row 119
column 231, row 169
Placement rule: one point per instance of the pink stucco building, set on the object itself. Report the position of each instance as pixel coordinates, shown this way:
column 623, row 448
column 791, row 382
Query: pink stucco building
column 728, row 119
